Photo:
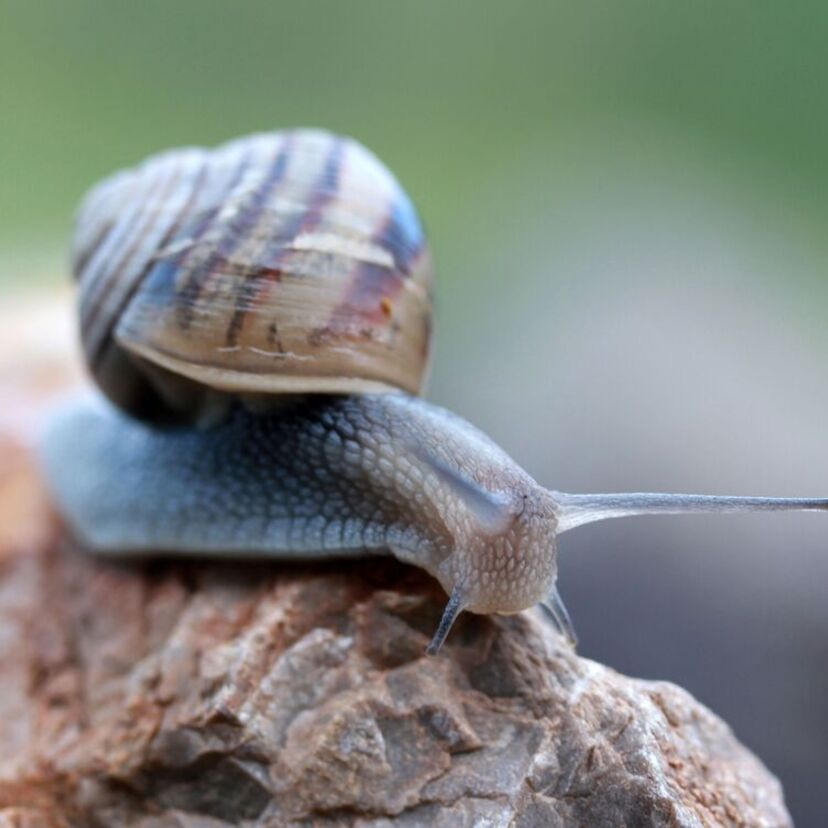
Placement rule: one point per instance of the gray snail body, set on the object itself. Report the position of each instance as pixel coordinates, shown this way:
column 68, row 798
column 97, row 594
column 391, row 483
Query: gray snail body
column 253, row 309
column 335, row 476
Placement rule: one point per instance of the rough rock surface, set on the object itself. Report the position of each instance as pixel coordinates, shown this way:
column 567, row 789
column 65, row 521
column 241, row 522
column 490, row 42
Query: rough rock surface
column 161, row 694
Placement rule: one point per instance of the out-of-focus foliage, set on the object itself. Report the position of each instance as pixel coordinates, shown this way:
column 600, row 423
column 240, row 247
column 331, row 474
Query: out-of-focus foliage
column 452, row 94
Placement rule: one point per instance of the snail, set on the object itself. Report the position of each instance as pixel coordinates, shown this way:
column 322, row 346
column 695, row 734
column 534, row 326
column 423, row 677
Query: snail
column 258, row 318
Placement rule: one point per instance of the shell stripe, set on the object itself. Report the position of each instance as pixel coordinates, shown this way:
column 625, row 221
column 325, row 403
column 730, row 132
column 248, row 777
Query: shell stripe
column 122, row 226
column 85, row 255
column 403, row 235
column 165, row 267
column 230, row 240
column 134, row 284
column 242, row 294
column 97, row 324
column 98, row 215
column 325, row 190
column 373, row 285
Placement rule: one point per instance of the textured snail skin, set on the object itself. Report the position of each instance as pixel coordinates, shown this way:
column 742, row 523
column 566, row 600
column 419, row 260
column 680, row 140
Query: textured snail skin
column 332, row 477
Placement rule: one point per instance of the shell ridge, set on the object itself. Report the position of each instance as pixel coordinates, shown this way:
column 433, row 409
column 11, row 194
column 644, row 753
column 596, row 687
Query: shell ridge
column 243, row 294
column 151, row 262
column 122, row 225
column 187, row 295
column 324, row 189
column 97, row 325
column 373, row 287
column 202, row 274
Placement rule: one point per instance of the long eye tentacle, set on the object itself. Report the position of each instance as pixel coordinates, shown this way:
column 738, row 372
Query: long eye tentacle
column 578, row 509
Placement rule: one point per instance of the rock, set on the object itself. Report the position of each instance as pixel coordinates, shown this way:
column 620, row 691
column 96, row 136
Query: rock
column 181, row 693
column 192, row 694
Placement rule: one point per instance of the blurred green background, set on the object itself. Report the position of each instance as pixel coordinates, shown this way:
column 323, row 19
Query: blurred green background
column 627, row 203
column 458, row 97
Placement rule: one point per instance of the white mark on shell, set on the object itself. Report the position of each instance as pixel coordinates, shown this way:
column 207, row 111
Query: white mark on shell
column 352, row 248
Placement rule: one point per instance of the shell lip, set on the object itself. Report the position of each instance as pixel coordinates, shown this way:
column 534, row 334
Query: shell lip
column 246, row 382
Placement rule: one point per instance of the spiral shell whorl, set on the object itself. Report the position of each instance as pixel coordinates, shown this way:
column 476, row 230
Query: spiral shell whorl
column 289, row 262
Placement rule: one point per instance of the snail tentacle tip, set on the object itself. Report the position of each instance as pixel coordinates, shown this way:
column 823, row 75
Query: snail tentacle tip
column 454, row 607
column 554, row 609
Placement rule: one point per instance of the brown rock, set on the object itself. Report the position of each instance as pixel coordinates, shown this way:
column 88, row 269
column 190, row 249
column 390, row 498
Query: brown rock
column 180, row 693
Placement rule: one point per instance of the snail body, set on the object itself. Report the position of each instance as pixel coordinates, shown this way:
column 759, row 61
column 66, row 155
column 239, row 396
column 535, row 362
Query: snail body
column 336, row 476
column 259, row 318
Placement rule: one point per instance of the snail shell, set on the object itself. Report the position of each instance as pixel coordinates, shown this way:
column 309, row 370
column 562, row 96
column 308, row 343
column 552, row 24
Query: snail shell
column 281, row 263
